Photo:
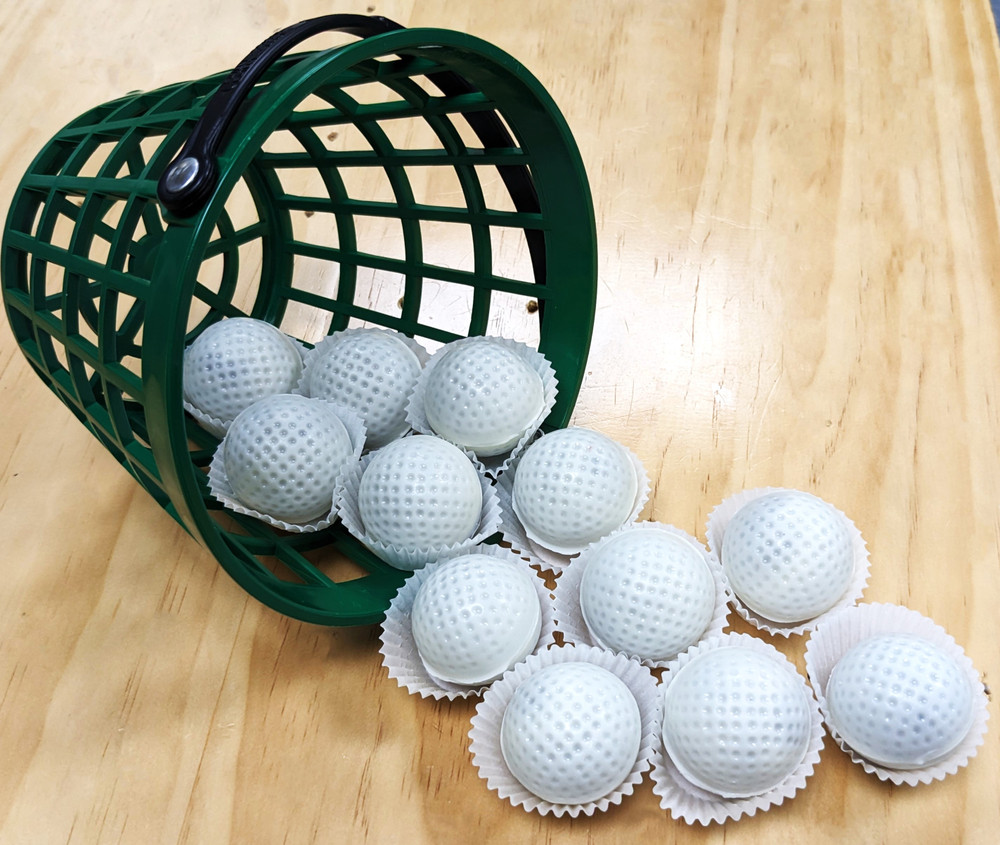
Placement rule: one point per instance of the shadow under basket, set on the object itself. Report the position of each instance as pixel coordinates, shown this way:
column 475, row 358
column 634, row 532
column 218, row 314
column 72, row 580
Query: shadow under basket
column 416, row 179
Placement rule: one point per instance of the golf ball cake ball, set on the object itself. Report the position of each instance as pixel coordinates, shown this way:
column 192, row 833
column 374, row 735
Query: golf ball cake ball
column 788, row 556
column 420, row 492
column 371, row 372
column 235, row 362
column 571, row 733
column 899, row 701
column 735, row 721
column 647, row 592
column 282, row 456
column 482, row 395
column 572, row 487
column 474, row 617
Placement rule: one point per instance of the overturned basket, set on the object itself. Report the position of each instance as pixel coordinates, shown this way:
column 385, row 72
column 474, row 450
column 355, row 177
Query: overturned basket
column 151, row 217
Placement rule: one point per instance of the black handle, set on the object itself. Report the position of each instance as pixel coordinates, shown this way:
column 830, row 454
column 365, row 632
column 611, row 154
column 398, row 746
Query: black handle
column 189, row 180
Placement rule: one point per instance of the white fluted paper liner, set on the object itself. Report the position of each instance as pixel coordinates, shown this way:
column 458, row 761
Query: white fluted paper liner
column 217, row 427
column 569, row 616
column 411, row 558
column 399, row 651
column 497, row 464
column 719, row 518
column 222, row 491
column 484, row 736
column 514, row 532
column 694, row 805
column 837, row 634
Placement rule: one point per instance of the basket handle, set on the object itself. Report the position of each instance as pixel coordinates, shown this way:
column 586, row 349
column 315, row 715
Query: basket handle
column 189, row 180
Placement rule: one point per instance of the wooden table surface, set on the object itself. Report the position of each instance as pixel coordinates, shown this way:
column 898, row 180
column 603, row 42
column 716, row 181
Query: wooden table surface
column 797, row 210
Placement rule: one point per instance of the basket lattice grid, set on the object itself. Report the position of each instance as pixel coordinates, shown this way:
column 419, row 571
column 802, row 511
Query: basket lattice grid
column 347, row 170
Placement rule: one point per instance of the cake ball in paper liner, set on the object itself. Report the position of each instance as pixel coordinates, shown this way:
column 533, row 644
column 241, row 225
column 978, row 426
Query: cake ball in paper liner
column 417, row 500
column 567, row 731
column 482, row 621
column 879, row 665
column 370, row 370
column 487, row 395
column 232, row 364
column 789, row 559
column 283, row 461
column 740, row 731
column 648, row 591
column 568, row 489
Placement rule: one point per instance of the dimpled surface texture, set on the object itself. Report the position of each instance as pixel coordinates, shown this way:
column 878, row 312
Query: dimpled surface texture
column 474, row 617
column 571, row 733
column 899, row 701
column 788, row 556
column 235, row 362
column 573, row 487
column 735, row 722
column 647, row 593
column 282, row 456
column 371, row 372
column 420, row 492
column 482, row 396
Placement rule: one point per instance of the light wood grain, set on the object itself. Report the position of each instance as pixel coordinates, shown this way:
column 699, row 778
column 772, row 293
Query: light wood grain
column 797, row 206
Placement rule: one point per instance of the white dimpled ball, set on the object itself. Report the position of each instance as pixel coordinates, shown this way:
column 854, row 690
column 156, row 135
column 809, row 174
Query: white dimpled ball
column 571, row 733
column 235, row 362
column 788, row 556
column 647, row 592
column 420, row 492
column 371, row 372
column 572, row 487
column 736, row 722
column 899, row 701
column 282, row 456
column 474, row 617
column 482, row 395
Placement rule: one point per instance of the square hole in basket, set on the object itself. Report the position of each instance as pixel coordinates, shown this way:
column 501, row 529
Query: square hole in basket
column 446, row 306
column 448, row 245
column 495, row 192
column 371, row 93
column 515, row 317
column 343, row 137
column 511, row 257
column 381, row 291
column 381, row 237
column 309, row 323
column 412, row 133
column 251, row 257
column 97, row 160
column 334, row 564
column 368, row 184
column 241, row 208
column 318, row 228
column 64, row 224
column 436, row 186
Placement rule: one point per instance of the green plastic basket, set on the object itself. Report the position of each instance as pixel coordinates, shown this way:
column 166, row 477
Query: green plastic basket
column 151, row 217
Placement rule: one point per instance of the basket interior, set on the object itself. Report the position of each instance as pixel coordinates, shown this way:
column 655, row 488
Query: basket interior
column 393, row 195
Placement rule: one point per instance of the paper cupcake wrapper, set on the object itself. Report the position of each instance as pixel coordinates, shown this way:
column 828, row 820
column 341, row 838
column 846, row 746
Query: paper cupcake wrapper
column 694, row 805
column 484, row 736
column 719, row 518
column 493, row 466
column 516, row 534
column 837, row 634
column 222, row 491
column 410, row 558
column 310, row 356
column 218, row 427
column 399, row 650
column 569, row 616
